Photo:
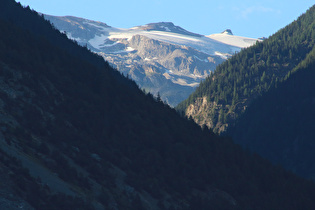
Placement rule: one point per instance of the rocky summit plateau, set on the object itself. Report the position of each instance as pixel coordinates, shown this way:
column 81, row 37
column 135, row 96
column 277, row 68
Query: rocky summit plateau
column 160, row 57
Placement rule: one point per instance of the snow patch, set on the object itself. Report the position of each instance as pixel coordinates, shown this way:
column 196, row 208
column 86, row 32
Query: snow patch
column 109, row 45
column 69, row 35
column 130, row 49
column 98, row 41
column 166, row 28
column 183, row 82
column 222, row 55
column 204, row 60
column 127, row 50
column 179, row 78
column 95, row 25
column 235, row 41
column 223, row 43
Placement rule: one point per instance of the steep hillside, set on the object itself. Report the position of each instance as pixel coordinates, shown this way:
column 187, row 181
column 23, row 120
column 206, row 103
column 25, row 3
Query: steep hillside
column 75, row 134
column 226, row 93
column 160, row 57
column 280, row 125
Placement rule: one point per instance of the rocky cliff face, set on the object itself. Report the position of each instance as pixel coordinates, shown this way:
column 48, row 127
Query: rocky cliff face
column 214, row 115
column 172, row 70
column 160, row 57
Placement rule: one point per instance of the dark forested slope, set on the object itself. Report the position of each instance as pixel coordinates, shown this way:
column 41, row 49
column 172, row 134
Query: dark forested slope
column 75, row 134
column 280, row 125
column 225, row 94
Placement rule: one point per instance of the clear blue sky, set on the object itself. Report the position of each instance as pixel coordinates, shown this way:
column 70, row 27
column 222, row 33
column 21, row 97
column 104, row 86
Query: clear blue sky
column 249, row 18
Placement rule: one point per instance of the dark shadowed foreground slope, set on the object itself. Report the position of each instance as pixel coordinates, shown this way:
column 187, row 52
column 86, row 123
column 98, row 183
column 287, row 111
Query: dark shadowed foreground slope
column 75, row 134
column 280, row 125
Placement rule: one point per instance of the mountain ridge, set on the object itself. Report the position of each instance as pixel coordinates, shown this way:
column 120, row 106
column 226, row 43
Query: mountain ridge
column 166, row 26
column 113, row 145
column 193, row 56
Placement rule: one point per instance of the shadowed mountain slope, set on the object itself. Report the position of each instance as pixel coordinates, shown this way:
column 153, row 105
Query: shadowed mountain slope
column 280, row 125
column 75, row 134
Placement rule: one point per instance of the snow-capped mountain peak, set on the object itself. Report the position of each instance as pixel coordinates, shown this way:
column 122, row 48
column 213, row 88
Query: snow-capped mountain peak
column 168, row 27
column 228, row 32
column 160, row 57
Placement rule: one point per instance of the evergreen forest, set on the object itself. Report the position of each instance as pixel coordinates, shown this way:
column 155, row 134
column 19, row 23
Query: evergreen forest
column 76, row 134
column 251, row 73
column 280, row 124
